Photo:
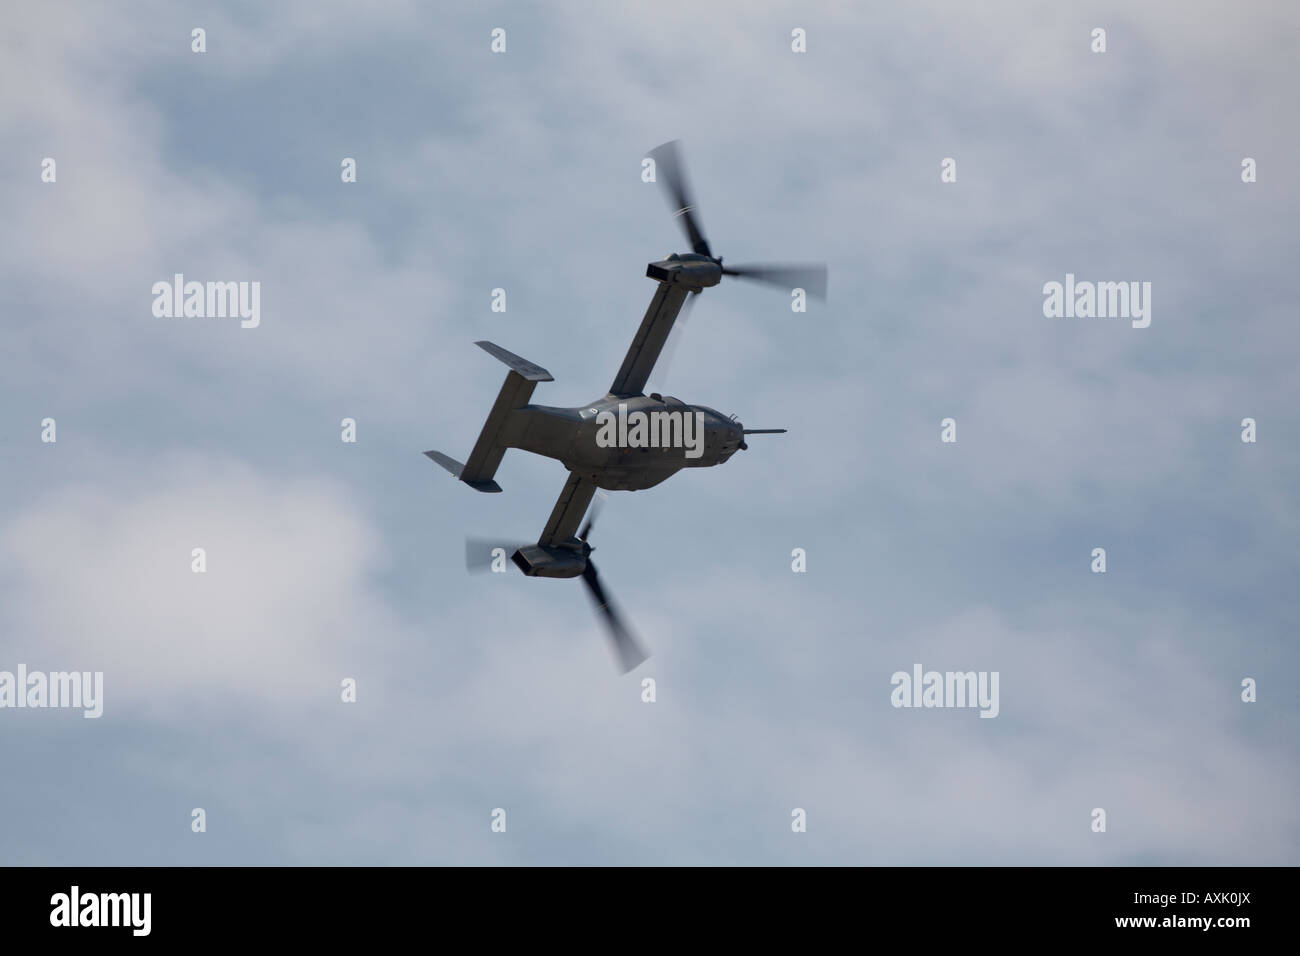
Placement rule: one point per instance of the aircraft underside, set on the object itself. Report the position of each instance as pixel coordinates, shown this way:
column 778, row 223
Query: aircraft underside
column 625, row 440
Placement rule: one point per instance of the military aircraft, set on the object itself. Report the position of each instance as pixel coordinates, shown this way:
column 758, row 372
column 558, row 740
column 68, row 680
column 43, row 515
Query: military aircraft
column 625, row 440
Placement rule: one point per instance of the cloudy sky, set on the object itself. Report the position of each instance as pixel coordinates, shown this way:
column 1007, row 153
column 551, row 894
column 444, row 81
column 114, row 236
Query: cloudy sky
column 521, row 170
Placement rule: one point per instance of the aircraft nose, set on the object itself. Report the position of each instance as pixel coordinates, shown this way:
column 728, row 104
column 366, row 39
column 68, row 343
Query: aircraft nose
column 735, row 437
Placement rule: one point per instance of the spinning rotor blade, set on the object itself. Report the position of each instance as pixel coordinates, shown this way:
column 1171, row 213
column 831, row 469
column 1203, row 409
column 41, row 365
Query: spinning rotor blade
column 810, row 278
column 478, row 552
column 625, row 646
column 668, row 164
column 597, row 504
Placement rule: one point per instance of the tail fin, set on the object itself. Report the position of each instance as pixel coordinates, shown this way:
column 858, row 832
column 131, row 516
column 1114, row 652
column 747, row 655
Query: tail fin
column 515, row 392
column 458, row 471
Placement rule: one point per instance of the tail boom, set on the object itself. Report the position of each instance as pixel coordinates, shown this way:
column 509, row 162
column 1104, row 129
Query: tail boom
column 481, row 466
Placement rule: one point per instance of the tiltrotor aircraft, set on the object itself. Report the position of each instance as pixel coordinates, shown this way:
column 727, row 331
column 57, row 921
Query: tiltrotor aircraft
column 594, row 442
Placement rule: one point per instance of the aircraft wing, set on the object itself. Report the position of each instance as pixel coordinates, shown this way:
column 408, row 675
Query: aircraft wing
column 650, row 339
column 567, row 514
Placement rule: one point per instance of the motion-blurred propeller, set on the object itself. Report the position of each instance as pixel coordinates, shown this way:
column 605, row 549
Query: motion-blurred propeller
column 810, row 278
column 668, row 165
column 625, row 644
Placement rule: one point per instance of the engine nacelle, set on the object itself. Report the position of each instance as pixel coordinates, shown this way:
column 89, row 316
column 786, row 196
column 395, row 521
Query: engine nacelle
column 694, row 272
column 539, row 562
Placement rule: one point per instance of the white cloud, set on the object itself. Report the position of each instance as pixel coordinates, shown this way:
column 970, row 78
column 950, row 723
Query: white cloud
column 104, row 573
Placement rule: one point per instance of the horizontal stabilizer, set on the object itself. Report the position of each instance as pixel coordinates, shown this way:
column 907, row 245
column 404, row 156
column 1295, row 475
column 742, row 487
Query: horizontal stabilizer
column 457, row 469
column 530, row 372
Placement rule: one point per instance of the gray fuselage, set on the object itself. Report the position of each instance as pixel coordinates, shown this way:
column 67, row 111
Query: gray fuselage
column 636, row 446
